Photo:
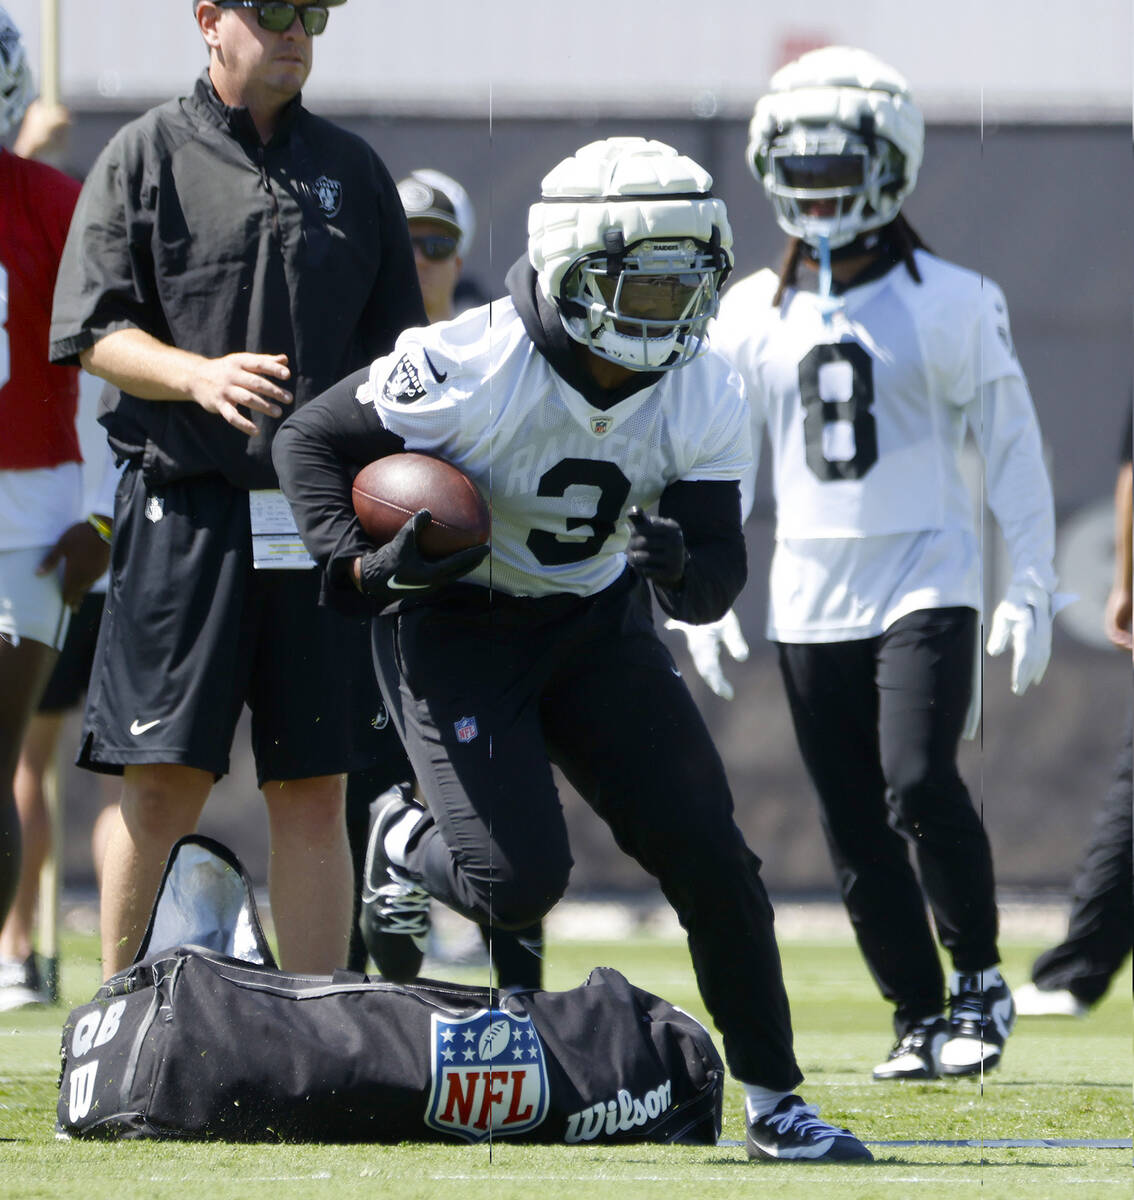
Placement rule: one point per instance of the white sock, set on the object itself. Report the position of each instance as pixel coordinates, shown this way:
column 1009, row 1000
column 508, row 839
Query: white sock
column 759, row 1101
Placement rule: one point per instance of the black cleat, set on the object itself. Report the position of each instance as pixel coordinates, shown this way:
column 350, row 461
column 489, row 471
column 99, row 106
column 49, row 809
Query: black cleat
column 20, row 985
column 794, row 1131
column 981, row 1017
column 394, row 918
column 917, row 1053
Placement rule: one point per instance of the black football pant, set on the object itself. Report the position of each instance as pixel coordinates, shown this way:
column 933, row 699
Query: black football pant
column 516, row 965
column 878, row 723
column 1102, row 907
column 489, row 691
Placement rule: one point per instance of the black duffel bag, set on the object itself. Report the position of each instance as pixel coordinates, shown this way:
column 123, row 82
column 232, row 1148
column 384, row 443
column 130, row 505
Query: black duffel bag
column 200, row 1042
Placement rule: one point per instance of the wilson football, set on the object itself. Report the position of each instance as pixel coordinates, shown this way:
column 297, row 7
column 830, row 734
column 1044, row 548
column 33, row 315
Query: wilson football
column 388, row 491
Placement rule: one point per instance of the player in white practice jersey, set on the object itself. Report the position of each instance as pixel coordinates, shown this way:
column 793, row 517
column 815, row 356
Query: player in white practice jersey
column 575, row 403
column 866, row 360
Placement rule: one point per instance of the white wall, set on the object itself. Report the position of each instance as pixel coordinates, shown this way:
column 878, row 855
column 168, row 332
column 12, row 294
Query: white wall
column 1010, row 59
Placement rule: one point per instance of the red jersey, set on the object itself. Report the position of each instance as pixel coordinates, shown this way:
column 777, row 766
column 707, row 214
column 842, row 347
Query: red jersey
column 38, row 401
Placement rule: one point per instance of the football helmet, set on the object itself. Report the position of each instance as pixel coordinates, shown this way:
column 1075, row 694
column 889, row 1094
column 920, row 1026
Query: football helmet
column 630, row 245
column 836, row 143
column 16, row 87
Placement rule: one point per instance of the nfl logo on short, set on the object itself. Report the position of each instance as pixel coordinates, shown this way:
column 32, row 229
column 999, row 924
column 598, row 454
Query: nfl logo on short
column 466, row 729
column 489, row 1075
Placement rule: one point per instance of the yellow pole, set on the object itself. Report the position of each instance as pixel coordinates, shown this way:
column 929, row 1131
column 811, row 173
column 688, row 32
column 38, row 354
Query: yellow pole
column 49, row 52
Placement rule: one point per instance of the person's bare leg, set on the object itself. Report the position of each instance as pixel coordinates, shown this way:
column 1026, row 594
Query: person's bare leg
column 160, row 803
column 110, row 788
column 36, row 757
column 24, row 671
column 310, row 877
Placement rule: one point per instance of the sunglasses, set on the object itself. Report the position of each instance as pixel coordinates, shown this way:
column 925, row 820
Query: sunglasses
column 435, row 246
column 278, row 17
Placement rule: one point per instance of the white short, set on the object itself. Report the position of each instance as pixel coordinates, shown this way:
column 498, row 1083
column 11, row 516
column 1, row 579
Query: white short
column 31, row 605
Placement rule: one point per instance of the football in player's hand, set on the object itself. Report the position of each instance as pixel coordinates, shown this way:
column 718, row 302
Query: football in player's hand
column 388, row 491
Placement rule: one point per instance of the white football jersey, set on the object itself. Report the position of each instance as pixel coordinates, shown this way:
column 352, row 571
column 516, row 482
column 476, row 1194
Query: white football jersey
column 558, row 474
column 866, row 409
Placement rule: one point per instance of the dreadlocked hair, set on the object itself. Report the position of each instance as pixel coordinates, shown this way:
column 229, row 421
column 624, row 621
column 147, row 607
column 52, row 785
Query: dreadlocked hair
column 900, row 236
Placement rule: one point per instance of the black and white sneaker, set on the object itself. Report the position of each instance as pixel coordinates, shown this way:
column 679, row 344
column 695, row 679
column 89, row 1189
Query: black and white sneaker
column 394, row 917
column 981, row 1016
column 20, row 985
column 794, row 1131
column 917, row 1053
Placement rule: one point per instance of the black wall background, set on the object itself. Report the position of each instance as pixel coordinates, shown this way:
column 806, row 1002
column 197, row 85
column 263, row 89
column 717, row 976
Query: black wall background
column 1043, row 210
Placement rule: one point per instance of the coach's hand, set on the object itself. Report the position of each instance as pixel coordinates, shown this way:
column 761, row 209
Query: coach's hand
column 705, row 642
column 1022, row 620
column 226, row 385
column 398, row 568
column 656, row 548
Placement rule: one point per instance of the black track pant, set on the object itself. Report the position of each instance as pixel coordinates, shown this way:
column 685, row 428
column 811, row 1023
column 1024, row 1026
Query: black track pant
column 878, row 723
column 1102, row 907
column 489, row 692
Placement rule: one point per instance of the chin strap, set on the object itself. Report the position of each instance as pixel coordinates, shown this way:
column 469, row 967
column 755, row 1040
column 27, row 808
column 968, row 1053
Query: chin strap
column 824, row 266
column 828, row 304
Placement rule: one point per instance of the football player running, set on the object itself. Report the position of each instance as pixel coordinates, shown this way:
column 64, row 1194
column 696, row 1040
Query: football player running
column 866, row 359
column 576, row 403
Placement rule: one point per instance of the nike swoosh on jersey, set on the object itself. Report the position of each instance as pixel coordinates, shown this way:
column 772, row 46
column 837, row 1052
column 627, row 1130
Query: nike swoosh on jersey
column 136, row 727
column 438, row 375
column 395, row 586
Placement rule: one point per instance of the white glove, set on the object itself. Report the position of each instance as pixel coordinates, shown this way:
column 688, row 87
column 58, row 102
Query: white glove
column 1023, row 620
column 704, row 643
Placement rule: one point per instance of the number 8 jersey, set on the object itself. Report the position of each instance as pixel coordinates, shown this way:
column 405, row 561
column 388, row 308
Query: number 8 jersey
column 866, row 399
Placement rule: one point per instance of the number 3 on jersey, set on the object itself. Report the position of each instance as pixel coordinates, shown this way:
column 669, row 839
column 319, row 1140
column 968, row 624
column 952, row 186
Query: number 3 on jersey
column 836, row 386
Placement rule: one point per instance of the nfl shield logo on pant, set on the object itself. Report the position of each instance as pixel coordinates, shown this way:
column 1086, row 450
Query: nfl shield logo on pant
column 466, row 729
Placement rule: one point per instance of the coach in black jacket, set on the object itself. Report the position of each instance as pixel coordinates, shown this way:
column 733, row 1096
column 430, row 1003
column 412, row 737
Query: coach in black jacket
column 231, row 256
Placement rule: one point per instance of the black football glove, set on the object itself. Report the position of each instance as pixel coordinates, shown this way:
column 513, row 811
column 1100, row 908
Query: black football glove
column 656, row 549
column 398, row 569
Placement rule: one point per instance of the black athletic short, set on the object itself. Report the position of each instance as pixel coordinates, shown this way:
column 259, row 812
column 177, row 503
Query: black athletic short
column 191, row 632
column 68, row 682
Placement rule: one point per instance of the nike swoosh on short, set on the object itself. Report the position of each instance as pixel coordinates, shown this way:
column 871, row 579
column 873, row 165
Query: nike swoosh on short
column 136, row 727
column 395, row 586
column 438, row 375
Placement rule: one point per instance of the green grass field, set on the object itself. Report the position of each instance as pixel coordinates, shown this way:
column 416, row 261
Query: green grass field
column 1060, row 1079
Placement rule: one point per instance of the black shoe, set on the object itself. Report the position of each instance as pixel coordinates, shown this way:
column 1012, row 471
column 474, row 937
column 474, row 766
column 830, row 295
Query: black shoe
column 980, row 1019
column 794, row 1130
column 917, row 1053
column 20, row 985
column 394, row 917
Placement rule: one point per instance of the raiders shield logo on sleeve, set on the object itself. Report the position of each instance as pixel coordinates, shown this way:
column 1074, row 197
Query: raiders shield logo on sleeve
column 489, row 1075
column 403, row 385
